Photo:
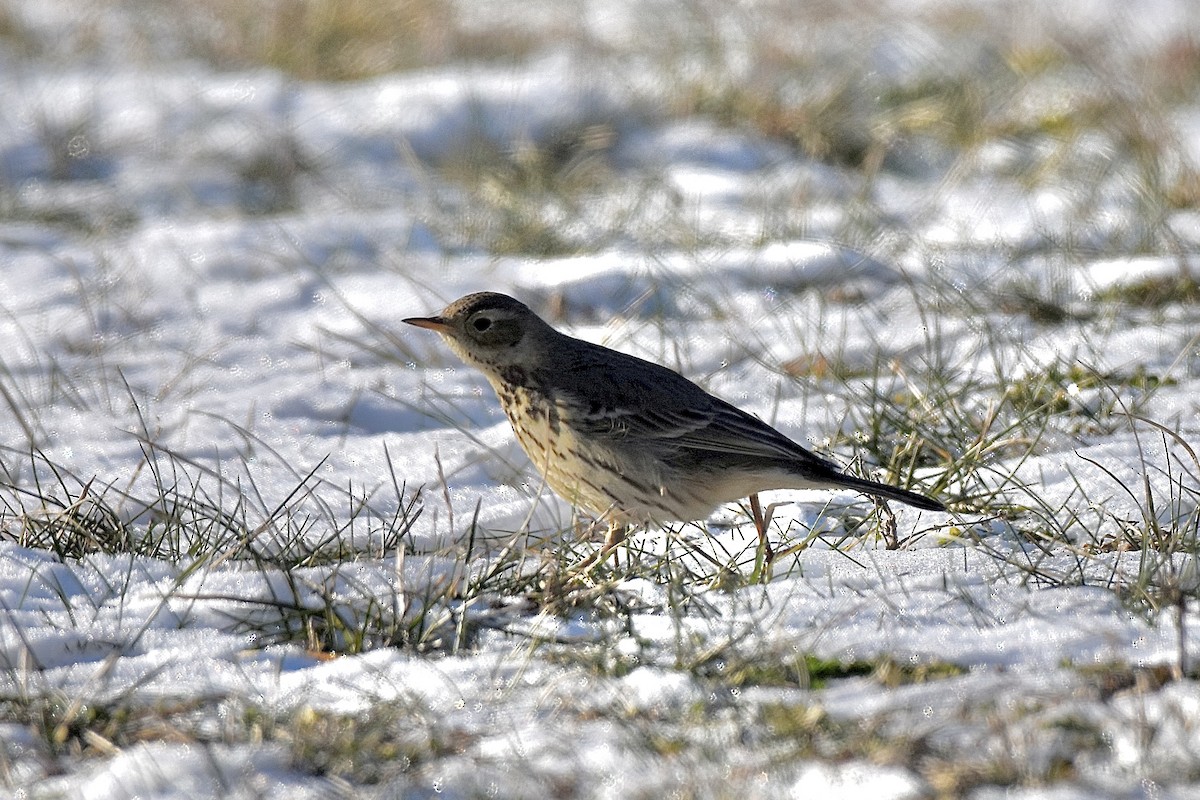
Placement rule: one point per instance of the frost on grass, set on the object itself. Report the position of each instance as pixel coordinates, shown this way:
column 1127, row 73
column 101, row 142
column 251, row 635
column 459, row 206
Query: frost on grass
column 256, row 540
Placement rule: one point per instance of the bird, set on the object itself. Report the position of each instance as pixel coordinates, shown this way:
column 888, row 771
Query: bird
column 630, row 441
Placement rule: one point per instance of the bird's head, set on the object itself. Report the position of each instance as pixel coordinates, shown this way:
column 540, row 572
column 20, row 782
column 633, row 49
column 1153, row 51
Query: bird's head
column 490, row 331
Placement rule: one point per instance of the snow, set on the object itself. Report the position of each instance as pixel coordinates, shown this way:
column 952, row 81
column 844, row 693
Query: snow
column 200, row 313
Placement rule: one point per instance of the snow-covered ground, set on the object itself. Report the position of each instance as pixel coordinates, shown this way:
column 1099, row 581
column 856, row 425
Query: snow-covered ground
column 259, row 539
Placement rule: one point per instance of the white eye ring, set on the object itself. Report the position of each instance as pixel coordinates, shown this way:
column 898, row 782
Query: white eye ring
column 481, row 324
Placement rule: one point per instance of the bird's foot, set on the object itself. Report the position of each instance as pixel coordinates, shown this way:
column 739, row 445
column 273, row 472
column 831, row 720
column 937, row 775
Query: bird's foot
column 581, row 571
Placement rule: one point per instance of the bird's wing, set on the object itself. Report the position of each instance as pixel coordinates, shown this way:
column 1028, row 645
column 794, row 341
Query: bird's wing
column 664, row 409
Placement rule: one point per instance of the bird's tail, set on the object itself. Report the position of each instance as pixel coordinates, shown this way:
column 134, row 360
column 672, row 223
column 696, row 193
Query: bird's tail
column 889, row 492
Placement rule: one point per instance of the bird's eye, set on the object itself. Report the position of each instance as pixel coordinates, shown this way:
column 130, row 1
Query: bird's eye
column 481, row 324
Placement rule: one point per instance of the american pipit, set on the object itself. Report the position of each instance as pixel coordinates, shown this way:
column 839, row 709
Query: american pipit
column 630, row 441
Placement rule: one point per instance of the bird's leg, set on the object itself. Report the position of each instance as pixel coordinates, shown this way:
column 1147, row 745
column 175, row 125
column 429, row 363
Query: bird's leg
column 890, row 538
column 760, row 525
column 614, row 536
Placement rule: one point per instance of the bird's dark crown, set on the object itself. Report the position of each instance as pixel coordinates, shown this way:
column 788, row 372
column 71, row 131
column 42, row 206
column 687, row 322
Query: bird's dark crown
column 470, row 304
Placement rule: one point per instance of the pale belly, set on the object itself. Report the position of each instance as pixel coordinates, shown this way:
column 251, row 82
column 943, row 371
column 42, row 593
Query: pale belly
column 623, row 484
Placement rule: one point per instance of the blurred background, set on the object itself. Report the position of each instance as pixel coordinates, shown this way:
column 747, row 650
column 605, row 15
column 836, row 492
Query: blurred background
column 913, row 130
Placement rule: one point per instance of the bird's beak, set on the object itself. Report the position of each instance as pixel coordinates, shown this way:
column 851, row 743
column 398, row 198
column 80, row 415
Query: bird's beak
column 438, row 324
